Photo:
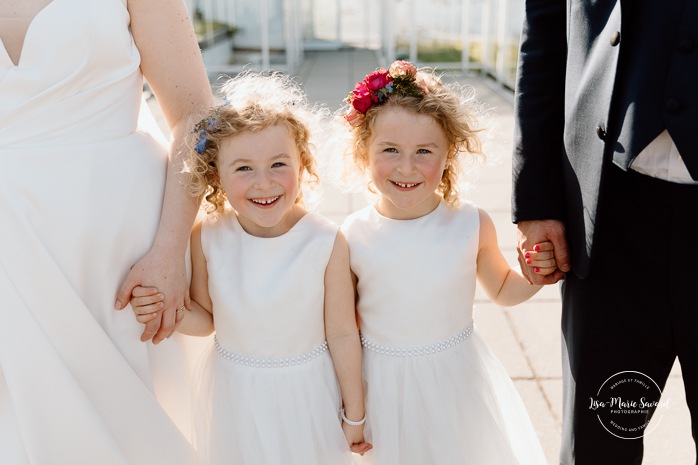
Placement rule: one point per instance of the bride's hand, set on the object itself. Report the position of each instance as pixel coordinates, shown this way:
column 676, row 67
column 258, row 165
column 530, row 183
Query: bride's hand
column 166, row 272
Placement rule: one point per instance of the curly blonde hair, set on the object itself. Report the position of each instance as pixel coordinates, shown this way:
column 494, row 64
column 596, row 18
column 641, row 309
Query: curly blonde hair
column 252, row 102
column 452, row 107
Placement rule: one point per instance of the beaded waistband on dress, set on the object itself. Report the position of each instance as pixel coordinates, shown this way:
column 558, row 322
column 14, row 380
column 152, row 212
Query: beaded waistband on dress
column 419, row 350
column 270, row 362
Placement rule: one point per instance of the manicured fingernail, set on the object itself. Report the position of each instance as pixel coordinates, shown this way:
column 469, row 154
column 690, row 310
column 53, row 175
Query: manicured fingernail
column 528, row 262
column 117, row 305
column 536, row 248
column 528, row 255
column 536, row 269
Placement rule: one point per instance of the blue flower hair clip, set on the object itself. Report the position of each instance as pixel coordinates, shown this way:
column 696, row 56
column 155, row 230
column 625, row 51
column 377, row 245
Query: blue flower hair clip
column 205, row 126
column 202, row 128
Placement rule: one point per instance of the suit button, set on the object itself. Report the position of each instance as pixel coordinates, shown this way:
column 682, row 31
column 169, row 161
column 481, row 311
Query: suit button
column 615, row 38
column 601, row 132
column 686, row 45
column 671, row 105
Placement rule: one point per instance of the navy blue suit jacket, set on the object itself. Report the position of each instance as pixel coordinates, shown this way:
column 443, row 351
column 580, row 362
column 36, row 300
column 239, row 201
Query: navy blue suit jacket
column 597, row 81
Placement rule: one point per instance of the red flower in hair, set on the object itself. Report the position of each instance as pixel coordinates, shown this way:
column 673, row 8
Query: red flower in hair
column 363, row 98
column 377, row 79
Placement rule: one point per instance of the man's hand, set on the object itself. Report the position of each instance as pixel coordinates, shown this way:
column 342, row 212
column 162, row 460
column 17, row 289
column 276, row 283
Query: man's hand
column 535, row 232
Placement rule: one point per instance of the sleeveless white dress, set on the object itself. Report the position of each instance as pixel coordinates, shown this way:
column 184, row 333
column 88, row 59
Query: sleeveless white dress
column 270, row 394
column 80, row 196
column 435, row 392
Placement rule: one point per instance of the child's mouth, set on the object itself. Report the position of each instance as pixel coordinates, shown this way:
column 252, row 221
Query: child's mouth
column 405, row 186
column 265, row 202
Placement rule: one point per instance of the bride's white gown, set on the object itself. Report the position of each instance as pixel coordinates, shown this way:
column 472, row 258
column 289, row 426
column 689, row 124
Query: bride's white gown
column 80, row 196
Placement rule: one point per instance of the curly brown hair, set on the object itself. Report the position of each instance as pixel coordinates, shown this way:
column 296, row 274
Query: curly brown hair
column 254, row 101
column 451, row 106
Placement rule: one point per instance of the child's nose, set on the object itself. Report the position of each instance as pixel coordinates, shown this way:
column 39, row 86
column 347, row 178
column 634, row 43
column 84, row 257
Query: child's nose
column 263, row 180
column 406, row 165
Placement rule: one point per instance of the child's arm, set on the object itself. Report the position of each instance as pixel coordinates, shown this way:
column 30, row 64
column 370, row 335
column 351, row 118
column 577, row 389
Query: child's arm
column 147, row 302
column 504, row 285
column 343, row 341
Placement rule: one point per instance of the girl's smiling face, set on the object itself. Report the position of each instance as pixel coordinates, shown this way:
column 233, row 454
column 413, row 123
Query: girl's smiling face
column 407, row 155
column 260, row 174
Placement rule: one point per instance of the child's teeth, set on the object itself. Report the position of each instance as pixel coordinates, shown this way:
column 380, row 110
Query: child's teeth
column 265, row 201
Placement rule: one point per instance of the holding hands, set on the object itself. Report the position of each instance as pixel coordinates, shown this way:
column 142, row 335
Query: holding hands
column 541, row 259
column 148, row 303
column 543, row 253
column 170, row 276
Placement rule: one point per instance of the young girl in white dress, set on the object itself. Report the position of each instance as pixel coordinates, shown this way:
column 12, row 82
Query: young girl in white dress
column 276, row 280
column 435, row 392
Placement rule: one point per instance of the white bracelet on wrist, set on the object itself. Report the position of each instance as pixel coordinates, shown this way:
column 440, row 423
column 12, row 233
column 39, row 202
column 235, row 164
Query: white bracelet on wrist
column 353, row 423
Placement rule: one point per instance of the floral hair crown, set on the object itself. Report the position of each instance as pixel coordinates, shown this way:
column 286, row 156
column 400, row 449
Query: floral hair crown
column 400, row 78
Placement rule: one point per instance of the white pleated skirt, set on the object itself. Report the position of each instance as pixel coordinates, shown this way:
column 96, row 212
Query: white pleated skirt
column 450, row 403
column 270, row 412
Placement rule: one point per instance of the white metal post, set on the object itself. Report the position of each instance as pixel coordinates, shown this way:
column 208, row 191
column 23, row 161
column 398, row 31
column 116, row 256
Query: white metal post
column 465, row 38
column 338, row 13
column 264, row 28
column 502, row 51
column 486, row 10
column 413, row 33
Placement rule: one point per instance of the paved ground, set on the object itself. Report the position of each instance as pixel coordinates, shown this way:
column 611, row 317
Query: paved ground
column 526, row 338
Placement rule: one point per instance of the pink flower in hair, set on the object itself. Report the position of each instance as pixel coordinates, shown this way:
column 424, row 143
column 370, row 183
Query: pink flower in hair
column 402, row 68
column 422, row 85
column 354, row 118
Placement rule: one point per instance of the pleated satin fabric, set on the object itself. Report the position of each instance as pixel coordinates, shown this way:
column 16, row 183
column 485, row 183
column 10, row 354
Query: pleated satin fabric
column 81, row 189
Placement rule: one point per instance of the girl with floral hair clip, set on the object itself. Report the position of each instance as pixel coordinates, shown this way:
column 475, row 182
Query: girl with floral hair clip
column 282, row 385
column 435, row 392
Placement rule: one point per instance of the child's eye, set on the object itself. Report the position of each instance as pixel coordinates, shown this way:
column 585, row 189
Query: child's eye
column 243, row 168
column 424, row 151
column 390, row 150
column 278, row 164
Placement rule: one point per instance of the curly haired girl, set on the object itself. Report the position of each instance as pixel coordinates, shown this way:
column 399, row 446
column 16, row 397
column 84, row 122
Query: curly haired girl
column 435, row 392
column 275, row 279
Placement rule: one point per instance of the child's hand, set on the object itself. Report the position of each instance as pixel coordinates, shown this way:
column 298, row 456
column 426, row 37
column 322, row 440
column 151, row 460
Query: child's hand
column 541, row 259
column 146, row 303
column 355, row 438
